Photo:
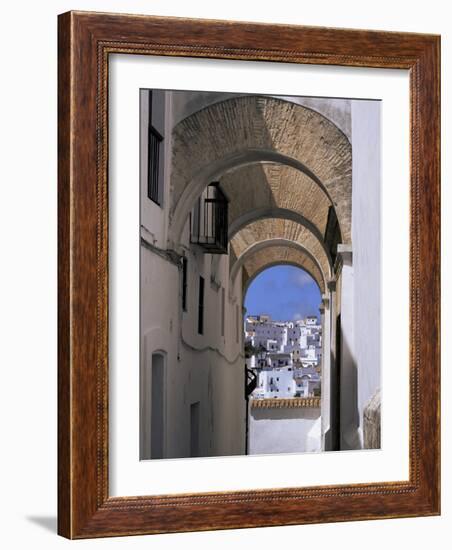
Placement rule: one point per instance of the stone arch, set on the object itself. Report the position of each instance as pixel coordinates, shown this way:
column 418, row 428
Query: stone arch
column 258, row 129
column 281, row 228
column 269, row 186
column 201, row 100
column 278, row 251
column 254, row 215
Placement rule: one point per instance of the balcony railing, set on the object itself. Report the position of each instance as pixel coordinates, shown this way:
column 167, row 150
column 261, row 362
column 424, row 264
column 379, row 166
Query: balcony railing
column 209, row 221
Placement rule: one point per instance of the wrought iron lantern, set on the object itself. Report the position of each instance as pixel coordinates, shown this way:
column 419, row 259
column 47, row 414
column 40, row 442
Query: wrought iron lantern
column 209, row 220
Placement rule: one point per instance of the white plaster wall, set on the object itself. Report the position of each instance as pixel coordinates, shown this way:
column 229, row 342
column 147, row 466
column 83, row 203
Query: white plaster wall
column 284, row 430
column 206, row 368
column 366, row 249
column 159, row 328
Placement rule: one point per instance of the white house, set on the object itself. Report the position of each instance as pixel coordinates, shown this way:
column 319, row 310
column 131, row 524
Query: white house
column 274, row 332
column 277, row 382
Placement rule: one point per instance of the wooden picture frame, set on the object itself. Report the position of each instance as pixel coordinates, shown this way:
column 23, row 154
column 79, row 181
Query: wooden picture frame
column 85, row 42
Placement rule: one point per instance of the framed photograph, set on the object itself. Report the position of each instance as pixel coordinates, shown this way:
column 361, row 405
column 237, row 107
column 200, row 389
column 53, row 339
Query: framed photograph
column 249, row 264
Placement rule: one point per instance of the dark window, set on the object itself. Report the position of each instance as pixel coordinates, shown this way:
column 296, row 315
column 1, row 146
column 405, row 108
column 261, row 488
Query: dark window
column 201, row 306
column 332, row 234
column 184, row 283
column 155, row 140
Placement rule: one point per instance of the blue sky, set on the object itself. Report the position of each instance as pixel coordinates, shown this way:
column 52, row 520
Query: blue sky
column 284, row 292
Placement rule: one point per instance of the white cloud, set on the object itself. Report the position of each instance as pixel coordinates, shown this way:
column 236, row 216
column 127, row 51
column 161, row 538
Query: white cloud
column 301, row 278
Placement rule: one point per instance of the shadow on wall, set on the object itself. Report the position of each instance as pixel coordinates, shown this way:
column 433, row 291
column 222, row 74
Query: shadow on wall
column 255, row 191
column 349, row 426
column 348, row 431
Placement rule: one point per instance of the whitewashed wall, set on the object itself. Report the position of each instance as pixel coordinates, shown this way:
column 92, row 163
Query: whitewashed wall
column 366, row 251
column 284, row 430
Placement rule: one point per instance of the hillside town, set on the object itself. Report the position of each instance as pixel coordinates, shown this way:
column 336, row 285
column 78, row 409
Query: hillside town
column 286, row 356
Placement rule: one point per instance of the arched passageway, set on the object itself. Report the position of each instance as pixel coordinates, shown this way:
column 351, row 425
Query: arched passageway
column 251, row 182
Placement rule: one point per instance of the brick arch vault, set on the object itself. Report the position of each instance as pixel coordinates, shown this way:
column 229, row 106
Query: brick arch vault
column 265, row 232
column 259, row 131
column 264, row 254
